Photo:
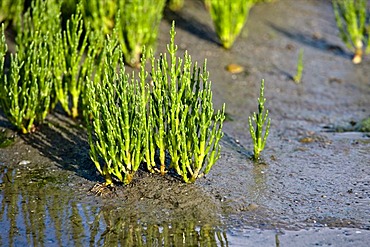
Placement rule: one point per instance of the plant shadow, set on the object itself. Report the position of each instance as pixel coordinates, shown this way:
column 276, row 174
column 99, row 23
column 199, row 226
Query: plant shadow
column 4, row 122
column 232, row 143
column 65, row 143
column 312, row 41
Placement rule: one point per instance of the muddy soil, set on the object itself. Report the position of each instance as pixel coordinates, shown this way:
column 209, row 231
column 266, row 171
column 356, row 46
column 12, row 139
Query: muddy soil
column 312, row 187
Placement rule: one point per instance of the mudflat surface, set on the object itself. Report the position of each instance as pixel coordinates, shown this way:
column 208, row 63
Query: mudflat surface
column 312, row 187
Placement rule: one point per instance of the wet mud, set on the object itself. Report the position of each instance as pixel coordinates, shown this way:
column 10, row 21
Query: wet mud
column 311, row 187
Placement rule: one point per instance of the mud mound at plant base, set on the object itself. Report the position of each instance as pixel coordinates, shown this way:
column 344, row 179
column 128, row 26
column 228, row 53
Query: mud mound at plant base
column 170, row 199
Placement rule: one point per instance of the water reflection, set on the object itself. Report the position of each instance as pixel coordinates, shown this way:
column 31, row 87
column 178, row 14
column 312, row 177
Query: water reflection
column 120, row 232
column 37, row 210
column 259, row 187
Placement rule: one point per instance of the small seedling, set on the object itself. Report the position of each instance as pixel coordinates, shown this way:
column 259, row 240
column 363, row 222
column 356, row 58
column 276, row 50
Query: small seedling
column 298, row 76
column 175, row 5
column 352, row 21
column 259, row 138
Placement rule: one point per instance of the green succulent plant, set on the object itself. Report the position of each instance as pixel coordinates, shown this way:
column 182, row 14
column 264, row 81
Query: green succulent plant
column 354, row 28
column 258, row 127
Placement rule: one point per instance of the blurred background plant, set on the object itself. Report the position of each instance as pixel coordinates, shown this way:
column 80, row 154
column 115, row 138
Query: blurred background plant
column 175, row 5
column 3, row 51
column 229, row 18
column 137, row 24
column 26, row 89
column 259, row 119
column 354, row 28
column 99, row 14
column 298, row 76
column 11, row 11
column 50, row 65
column 71, row 65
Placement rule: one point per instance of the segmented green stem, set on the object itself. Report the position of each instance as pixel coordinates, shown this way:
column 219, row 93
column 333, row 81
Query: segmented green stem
column 259, row 138
column 298, row 76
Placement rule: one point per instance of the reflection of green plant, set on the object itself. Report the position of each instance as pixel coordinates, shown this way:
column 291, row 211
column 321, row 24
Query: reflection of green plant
column 229, row 17
column 33, row 206
column 182, row 98
column 26, row 91
column 259, row 139
column 120, row 231
column 298, row 76
column 351, row 19
column 137, row 24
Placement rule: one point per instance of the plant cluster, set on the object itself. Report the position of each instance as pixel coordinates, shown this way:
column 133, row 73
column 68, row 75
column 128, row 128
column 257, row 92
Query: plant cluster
column 117, row 129
column 132, row 119
column 49, row 66
column 354, row 28
column 137, row 23
column 164, row 118
column 26, row 91
column 187, row 126
column 76, row 60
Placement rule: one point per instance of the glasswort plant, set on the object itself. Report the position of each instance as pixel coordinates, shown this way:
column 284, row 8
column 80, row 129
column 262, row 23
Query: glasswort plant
column 175, row 5
column 99, row 15
column 117, row 129
column 3, row 50
column 229, row 17
column 137, row 23
column 184, row 112
column 71, row 67
column 298, row 76
column 351, row 19
column 26, row 91
column 171, row 118
column 11, row 10
column 260, row 118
